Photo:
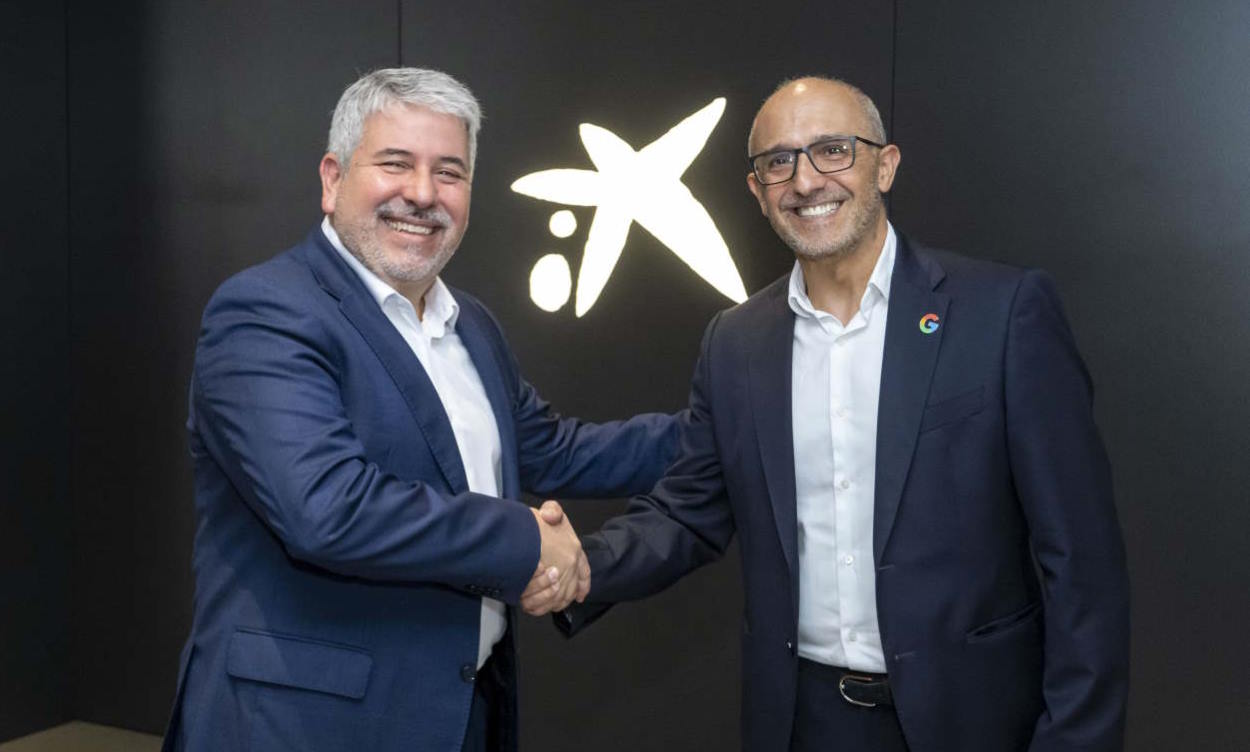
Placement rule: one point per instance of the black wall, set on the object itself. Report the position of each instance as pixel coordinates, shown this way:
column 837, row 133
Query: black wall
column 1106, row 143
column 34, row 374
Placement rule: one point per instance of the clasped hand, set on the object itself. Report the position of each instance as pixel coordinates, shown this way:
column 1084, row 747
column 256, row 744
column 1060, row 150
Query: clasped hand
column 563, row 573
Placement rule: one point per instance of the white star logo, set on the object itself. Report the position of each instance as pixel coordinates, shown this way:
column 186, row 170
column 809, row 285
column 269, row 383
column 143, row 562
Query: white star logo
column 645, row 187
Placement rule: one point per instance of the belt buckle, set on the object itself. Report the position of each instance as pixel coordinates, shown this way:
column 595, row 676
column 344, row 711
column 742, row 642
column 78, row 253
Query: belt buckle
column 857, row 680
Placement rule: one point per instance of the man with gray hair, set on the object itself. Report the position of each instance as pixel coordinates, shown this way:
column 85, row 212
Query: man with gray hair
column 360, row 436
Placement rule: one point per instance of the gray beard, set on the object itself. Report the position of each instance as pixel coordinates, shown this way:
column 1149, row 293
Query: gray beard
column 362, row 242
column 862, row 223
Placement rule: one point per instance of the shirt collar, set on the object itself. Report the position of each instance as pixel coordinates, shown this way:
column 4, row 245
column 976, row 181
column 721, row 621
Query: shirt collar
column 441, row 309
column 878, row 281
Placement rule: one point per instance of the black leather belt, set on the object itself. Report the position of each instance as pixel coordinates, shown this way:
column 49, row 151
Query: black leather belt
column 865, row 691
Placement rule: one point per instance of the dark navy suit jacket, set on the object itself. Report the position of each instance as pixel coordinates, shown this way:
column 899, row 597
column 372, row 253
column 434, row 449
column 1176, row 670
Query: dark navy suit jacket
column 340, row 559
column 1001, row 587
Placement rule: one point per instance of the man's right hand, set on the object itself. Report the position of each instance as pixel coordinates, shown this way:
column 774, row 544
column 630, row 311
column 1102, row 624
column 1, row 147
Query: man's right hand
column 563, row 574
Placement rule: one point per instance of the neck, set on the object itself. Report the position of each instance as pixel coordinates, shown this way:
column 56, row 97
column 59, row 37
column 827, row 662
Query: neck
column 836, row 284
column 415, row 293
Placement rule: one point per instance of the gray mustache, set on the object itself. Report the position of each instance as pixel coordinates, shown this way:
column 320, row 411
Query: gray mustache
column 407, row 211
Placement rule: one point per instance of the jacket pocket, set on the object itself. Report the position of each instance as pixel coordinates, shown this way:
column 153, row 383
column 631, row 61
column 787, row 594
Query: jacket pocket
column 1006, row 624
column 298, row 662
column 955, row 408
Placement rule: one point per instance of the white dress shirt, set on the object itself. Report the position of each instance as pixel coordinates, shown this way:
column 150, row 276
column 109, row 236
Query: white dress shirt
column 434, row 341
column 835, row 386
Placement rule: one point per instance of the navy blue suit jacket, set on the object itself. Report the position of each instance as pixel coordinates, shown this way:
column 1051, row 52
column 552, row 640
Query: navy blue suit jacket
column 1001, row 587
column 340, row 559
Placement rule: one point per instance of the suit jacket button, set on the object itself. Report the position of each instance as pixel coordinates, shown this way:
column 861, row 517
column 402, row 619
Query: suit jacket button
column 468, row 673
column 790, row 646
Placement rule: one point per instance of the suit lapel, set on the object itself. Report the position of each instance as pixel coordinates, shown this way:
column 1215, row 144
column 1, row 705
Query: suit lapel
column 770, row 388
column 338, row 279
column 472, row 328
column 906, row 372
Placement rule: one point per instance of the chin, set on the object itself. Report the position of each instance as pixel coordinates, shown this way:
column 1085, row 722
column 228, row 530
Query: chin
column 423, row 268
column 816, row 249
column 820, row 254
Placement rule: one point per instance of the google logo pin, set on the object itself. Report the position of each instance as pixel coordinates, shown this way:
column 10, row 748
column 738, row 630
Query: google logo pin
column 929, row 323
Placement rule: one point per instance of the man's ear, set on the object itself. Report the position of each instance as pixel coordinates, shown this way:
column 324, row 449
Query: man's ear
column 757, row 190
column 887, row 167
column 331, row 175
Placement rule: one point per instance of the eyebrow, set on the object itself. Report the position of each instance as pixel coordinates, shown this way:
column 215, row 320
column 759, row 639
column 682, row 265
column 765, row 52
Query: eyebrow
column 404, row 153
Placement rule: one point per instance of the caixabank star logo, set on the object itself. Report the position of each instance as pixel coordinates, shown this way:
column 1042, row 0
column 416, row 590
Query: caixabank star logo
column 629, row 186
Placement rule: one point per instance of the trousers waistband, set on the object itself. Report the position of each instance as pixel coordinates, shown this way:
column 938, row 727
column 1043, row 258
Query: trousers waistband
column 862, row 688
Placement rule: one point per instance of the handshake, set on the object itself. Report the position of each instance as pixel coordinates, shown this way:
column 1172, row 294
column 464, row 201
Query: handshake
column 563, row 573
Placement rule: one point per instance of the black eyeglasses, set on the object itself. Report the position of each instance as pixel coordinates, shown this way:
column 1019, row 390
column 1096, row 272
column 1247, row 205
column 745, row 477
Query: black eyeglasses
column 827, row 155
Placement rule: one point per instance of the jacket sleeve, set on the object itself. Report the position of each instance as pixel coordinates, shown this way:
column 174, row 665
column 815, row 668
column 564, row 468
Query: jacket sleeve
column 568, row 457
column 1063, row 480
column 267, row 407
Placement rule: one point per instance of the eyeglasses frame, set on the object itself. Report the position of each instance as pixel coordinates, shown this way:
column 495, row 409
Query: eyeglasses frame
column 808, row 151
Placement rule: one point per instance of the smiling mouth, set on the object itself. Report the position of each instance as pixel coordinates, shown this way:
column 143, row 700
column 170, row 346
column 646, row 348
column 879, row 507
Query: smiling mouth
column 408, row 227
column 818, row 210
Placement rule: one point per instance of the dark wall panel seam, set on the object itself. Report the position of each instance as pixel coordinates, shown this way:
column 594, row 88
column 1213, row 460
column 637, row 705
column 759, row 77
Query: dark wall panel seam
column 893, row 66
column 69, row 701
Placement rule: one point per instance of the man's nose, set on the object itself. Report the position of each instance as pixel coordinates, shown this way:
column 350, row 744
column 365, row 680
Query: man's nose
column 806, row 177
column 420, row 188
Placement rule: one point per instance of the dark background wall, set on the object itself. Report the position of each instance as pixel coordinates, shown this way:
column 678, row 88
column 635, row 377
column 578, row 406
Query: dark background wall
column 34, row 374
column 1105, row 142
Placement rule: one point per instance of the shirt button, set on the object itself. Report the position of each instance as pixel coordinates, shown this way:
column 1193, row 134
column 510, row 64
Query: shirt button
column 468, row 673
column 848, row 560
column 852, row 637
column 841, row 412
column 845, row 484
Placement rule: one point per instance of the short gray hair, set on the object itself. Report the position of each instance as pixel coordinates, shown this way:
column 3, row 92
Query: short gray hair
column 866, row 106
column 382, row 88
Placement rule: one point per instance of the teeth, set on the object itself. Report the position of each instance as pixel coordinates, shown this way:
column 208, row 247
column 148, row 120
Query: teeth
column 395, row 224
column 819, row 210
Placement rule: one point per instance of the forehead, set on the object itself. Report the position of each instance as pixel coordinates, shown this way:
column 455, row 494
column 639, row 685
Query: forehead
column 803, row 112
column 414, row 128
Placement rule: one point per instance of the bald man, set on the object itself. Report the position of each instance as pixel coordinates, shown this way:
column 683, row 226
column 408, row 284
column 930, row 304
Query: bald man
column 903, row 440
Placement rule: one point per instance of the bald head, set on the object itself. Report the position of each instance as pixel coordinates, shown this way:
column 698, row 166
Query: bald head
column 797, row 92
